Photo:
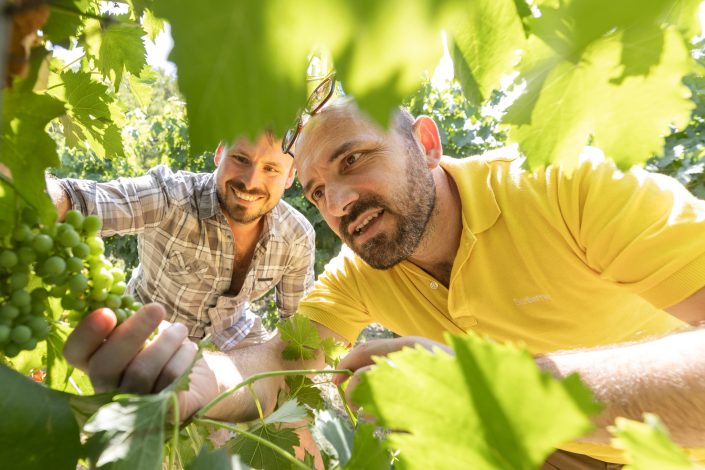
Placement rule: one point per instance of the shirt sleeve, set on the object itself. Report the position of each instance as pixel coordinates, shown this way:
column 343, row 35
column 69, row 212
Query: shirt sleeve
column 335, row 301
column 640, row 230
column 298, row 277
column 125, row 205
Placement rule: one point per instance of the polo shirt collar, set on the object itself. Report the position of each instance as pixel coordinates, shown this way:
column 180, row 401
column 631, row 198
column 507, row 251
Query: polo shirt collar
column 207, row 199
column 472, row 177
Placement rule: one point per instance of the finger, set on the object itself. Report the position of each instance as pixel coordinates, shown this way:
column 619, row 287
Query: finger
column 354, row 381
column 361, row 355
column 143, row 371
column 88, row 336
column 177, row 365
column 108, row 363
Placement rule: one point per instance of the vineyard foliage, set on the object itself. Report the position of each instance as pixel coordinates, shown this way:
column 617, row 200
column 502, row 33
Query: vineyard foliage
column 622, row 76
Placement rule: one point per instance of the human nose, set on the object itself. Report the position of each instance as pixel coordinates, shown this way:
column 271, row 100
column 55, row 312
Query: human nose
column 339, row 199
column 250, row 177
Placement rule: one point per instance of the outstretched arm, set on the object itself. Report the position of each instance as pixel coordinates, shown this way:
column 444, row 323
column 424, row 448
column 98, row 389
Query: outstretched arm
column 58, row 196
column 116, row 358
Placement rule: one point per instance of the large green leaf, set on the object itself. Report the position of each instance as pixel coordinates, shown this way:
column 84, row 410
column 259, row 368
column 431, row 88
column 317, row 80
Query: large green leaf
column 647, row 445
column 37, row 429
column 128, row 433
column 334, row 436
column 26, row 148
column 305, row 391
column 116, row 49
column 290, row 411
column 486, row 45
column 476, row 410
column 256, row 455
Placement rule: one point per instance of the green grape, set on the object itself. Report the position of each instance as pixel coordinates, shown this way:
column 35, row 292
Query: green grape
column 22, row 233
column 118, row 288
column 68, row 237
column 4, row 334
column 99, row 295
column 9, row 311
column 127, row 301
column 137, row 305
column 92, row 225
column 26, row 255
column 58, row 291
column 30, row 217
column 12, row 350
column 54, row 266
column 25, row 309
column 42, row 244
column 118, row 275
column 78, row 283
column 37, row 308
column 39, row 294
column 81, row 250
column 20, row 298
column 74, row 218
column 79, row 304
column 102, row 279
column 38, row 325
column 18, row 280
column 20, row 334
column 121, row 315
column 96, row 245
column 113, row 302
column 29, row 345
column 8, row 259
column 74, row 264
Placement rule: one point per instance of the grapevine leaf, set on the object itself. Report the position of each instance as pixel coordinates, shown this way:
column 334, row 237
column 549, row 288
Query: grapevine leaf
column 24, row 116
column 152, row 25
column 647, row 445
column 567, row 104
column 256, row 455
column 28, row 360
column 392, row 44
column 216, row 460
column 128, row 433
column 117, row 48
column 334, row 350
column 87, row 405
column 305, row 391
column 368, row 452
column 290, row 411
column 58, row 369
column 303, row 338
column 485, row 46
column 334, row 436
column 37, row 429
column 64, row 20
column 8, row 204
column 483, row 423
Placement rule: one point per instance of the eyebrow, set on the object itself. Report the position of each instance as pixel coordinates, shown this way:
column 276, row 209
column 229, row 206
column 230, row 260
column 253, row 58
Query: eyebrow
column 342, row 149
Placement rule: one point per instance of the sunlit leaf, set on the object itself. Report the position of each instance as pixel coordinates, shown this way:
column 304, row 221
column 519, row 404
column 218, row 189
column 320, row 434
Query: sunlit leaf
column 483, row 422
column 368, row 452
column 302, row 338
column 216, row 460
column 288, row 412
column 256, row 455
column 117, row 48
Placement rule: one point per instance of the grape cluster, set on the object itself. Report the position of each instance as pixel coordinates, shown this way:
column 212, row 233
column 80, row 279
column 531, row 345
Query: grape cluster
column 64, row 261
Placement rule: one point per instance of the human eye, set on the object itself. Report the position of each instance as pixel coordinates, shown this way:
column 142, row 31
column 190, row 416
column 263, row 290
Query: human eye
column 316, row 194
column 352, row 158
column 271, row 169
column 240, row 158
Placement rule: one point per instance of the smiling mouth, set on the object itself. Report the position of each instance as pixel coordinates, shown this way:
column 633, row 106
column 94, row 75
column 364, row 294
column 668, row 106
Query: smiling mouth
column 245, row 196
column 363, row 225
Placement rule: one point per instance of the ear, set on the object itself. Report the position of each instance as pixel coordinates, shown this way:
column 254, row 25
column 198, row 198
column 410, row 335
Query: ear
column 426, row 132
column 290, row 178
column 219, row 154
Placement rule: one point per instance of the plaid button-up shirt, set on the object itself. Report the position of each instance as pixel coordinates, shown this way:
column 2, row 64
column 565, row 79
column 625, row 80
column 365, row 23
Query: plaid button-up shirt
column 187, row 250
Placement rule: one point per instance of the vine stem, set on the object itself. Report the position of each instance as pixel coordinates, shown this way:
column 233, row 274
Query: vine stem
column 175, row 432
column 294, row 461
column 253, row 378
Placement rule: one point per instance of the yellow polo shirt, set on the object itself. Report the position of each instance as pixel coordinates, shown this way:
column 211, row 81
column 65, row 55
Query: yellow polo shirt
column 553, row 259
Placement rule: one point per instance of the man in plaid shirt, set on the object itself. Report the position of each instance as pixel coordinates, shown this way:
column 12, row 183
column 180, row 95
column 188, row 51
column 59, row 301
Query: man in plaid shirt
column 209, row 242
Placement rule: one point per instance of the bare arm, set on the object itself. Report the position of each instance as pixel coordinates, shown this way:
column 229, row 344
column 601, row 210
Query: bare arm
column 58, row 196
column 115, row 358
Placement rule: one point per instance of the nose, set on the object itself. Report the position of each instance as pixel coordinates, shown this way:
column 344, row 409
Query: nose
column 339, row 199
column 250, row 177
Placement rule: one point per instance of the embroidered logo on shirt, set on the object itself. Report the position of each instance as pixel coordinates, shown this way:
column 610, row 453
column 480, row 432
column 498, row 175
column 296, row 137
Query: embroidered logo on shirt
column 533, row 299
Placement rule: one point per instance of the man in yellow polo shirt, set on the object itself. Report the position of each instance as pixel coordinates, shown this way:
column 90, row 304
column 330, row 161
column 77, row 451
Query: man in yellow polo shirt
column 557, row 260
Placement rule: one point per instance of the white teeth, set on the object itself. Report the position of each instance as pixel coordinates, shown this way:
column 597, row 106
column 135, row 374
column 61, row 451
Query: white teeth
column 364, row 223
column 244, row 196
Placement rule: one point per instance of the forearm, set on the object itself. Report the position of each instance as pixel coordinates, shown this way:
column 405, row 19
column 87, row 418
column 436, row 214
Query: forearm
column 58, row 196
column 665, row 376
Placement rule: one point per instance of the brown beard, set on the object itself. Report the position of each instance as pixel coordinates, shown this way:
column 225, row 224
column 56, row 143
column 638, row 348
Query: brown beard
column 412, row 209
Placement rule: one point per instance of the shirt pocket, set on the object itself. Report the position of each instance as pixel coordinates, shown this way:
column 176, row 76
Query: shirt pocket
column 266, row 278
column 182, row 266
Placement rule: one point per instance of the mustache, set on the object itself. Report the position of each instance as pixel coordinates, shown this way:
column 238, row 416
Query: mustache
column 358, row 208
column 240, row 186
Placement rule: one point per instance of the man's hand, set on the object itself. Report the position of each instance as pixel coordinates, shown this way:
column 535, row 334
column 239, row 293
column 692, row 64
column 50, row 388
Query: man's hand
column 360, row 358
column 116, row 358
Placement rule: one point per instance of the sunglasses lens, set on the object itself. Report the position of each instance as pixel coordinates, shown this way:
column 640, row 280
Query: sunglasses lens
column 320, row 95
